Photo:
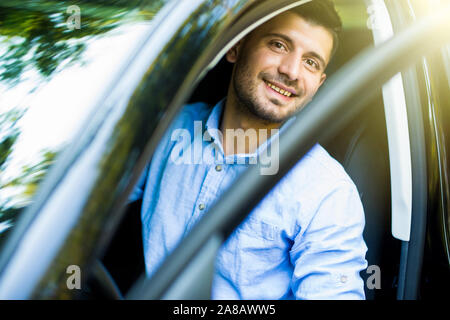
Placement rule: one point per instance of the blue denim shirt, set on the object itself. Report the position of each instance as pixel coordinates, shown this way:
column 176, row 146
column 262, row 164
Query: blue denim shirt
column 304, row 240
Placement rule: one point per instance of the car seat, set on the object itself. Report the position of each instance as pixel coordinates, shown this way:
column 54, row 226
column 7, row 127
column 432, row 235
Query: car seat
column 362, row 150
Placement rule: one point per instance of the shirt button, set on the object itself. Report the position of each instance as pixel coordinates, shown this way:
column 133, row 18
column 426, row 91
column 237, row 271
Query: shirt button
column 201, row 206
column 218, row 168
column 344, row 279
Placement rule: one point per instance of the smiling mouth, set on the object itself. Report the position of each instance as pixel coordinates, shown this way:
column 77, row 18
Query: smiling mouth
column 283, row 92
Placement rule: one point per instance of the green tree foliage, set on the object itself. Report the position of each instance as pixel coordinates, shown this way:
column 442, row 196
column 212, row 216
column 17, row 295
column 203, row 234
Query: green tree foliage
column 36, row 33
column 8, row 133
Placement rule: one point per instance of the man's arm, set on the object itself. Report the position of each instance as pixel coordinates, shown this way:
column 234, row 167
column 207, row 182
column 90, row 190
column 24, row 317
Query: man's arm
column 329, row 254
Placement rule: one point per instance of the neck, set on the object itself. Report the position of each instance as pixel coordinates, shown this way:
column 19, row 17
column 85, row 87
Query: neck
column 243, row 132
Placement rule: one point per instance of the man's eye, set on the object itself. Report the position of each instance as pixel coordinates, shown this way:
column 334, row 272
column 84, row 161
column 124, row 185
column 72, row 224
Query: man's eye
column 312, row 63
column 278, row 45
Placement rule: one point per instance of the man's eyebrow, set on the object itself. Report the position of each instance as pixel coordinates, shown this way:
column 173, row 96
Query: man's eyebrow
column 318, row 57
column 280, row 35
column 291, row 43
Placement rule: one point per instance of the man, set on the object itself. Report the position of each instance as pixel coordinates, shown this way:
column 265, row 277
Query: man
column 304, row 240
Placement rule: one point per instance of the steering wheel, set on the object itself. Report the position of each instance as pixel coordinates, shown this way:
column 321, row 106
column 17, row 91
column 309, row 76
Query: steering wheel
column 103, row 283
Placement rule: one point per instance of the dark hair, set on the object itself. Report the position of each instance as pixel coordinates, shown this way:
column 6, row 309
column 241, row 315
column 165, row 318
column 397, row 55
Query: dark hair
column 323, row 13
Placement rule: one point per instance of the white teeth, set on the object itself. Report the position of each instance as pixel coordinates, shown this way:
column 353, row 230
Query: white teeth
column 279, row 90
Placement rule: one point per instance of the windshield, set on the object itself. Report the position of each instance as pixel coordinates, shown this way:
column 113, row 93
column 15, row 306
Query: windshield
column 56, row 59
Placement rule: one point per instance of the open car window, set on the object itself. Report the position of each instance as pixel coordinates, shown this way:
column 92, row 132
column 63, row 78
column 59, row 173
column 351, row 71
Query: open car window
column 379, row 167
column 368, row 129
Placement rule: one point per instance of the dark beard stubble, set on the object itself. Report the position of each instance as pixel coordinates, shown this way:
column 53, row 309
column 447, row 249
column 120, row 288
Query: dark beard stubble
column 246, row 96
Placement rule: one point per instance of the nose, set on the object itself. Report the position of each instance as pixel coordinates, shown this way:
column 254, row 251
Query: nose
column 290, row 66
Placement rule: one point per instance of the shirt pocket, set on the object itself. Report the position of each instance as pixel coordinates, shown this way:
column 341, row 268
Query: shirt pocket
column 258, row 229
column 253, row 252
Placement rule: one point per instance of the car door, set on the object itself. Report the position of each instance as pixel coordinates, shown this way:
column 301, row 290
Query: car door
column 97, row 173
column 427, row 86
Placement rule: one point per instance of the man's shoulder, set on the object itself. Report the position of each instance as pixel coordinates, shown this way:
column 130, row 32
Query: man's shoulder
column 319, row 181
column 198, row 111
column 325, row 164
column 184, row 120
column 320, row 164
column 317, row 175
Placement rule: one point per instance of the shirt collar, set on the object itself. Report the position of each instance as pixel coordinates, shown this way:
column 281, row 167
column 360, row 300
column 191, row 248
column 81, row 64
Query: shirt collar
column 213, row 126
column 213, row 121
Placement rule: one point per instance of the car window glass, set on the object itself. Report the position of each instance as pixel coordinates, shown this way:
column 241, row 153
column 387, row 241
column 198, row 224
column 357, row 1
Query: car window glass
column 55, row 61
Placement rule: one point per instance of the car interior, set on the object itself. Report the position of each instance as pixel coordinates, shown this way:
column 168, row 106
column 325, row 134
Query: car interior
column 362, row 149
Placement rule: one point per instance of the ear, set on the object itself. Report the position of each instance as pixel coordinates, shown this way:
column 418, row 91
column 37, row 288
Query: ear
column 233, row 53
column 322, row 78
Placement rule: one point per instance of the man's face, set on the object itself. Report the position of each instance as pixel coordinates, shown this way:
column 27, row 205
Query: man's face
column 280, row 66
